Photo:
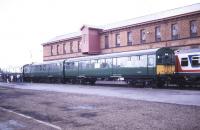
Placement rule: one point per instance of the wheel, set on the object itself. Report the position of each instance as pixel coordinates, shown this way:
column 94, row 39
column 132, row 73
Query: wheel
column 82, row 81
column 92, row 81
column 131, row 83
column 73, row 81
column 160, row 83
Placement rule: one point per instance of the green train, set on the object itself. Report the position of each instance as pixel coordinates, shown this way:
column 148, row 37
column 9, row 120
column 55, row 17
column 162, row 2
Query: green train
column 151, row 66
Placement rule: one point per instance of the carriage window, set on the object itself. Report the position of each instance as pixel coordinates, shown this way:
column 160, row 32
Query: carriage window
column 75, row 65
column 40, row 67
column 151, row 60
column 95, row 64
column 103, row 63
column 196, row 61
column 27, row 69
column 184, row 62
column 109, row 63
column 84, row 64
column 67, row 65
column 114, row 62
column 44, row 67
column 143, row 60
column 71, row 65
column 54, row 66
column 133, row 61
column 122, row 62
column 139, row 61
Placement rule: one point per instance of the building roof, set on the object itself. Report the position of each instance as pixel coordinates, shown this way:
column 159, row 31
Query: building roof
column 154, row 17
column 64, row 37
column 139, row 20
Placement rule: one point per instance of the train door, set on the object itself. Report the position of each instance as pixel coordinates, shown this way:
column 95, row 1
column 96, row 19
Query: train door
column 151, row 64
column 71, row 69
column 114, row 66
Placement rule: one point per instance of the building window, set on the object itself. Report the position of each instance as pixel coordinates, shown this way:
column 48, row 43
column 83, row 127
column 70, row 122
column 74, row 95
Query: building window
column 193, row 28
column 174, row 31
column 51, row 49
column 64, row 48
column 129, row 38
column 79, row 49
column 84, row 39
column 157, row 34
column 57, row 49
column 117, row 40
column 106, row 42
column 143, row 36
column 71, row 47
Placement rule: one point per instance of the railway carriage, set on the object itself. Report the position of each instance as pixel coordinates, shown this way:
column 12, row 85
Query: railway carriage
column 144, row 66
column 40, row 72
column 187, row 67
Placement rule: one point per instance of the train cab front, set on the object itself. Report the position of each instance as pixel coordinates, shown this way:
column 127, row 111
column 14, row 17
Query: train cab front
column 165, row 64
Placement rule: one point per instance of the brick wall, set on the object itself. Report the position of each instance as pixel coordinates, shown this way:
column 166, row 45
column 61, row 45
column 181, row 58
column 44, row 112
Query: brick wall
column 166, row 40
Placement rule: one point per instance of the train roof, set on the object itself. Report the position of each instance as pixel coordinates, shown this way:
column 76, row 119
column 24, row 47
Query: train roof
column 47, row 62
column 195, row 50
column 140, row 52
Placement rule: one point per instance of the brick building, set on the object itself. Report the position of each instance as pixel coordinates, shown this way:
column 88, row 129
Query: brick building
column 178, row 28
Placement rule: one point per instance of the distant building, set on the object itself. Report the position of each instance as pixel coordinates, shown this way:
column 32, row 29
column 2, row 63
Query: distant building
column 177, row 28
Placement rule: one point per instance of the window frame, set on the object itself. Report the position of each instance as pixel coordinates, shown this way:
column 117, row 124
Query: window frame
column 129, row 38
column 117, row 40
column 64, row 48
column 72, row 65
column 193, row 34
column 79, row 49
column 57, row 49
column 198, row 60
column 106, row 39
column 173, row 26
column 143, row 36
column 51, row 50
column 84, row 64
column 157, row 37
column 71, row 47
column 184, row 62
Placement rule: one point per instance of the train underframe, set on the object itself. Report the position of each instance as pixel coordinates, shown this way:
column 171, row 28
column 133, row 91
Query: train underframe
column 144, row 81
column 43, row 79
column 186, row 80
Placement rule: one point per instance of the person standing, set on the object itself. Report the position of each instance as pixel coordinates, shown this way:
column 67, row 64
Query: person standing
column 7, row 78
column 11, row 78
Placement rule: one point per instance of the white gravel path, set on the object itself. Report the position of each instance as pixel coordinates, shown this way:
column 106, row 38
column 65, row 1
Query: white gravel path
column 183, row 97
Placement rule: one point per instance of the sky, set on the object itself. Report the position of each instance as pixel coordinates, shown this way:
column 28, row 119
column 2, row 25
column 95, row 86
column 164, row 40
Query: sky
column 26, row 24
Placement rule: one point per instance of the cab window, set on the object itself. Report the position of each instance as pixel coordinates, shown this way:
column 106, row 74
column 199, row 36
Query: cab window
column 184, row 61
column 196, row 61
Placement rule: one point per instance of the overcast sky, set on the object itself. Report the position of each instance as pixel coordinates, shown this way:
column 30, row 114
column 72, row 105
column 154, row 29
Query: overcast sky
column 26, row 24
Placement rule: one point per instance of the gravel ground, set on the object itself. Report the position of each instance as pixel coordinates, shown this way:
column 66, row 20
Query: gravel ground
column 90, row 112
column 9, row 121
column 182, row 97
